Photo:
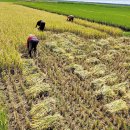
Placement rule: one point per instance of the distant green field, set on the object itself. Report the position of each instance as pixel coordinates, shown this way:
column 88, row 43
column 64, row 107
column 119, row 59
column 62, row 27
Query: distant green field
column 108, row 14
column 8, row 0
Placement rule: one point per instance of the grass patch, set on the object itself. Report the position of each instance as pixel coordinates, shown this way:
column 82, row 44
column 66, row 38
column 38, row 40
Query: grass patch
column 3, row 120
column 3, row 113
column 127, row 34
column 8, row 0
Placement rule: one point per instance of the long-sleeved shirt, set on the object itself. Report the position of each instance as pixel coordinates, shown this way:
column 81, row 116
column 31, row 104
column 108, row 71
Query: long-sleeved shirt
column 34, row 38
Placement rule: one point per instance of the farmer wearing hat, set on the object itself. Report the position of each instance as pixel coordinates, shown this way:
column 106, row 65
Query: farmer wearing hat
column 70, row 18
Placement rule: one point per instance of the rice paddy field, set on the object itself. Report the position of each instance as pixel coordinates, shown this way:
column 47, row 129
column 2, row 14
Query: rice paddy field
column 80, row 79
column 115, row 15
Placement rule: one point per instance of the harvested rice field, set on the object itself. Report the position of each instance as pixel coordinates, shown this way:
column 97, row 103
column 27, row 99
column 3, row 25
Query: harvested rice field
column 79, row 80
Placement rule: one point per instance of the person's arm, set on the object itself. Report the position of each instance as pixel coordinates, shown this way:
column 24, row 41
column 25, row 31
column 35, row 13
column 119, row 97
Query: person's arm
column 38, row 23
column 28, row 42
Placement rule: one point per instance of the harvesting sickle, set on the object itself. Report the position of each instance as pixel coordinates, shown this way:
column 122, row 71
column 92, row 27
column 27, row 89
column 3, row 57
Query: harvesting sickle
column 70, row 18
column 32, row 43
column 41, row 25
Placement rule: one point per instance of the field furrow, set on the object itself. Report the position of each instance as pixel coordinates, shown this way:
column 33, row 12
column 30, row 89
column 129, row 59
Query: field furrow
column 17, row 118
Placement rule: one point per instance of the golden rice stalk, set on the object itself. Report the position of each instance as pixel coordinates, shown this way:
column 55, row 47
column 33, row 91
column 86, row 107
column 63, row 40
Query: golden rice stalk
column 41, row 109
column 98, row 70
column 33, row 79
column 116, row 105
column 121, row 87
column 44, row 123
column 37, row 90
column 106, row 91
column 110, row 30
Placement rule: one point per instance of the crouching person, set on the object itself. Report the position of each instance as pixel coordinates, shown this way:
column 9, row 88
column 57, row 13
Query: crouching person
column 70, row 18
column 32, row 43
column 41, row 25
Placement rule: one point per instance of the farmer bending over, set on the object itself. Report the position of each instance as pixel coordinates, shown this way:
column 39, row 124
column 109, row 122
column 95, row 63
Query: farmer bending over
column 41, row 25
column 70, row 18
column 32, row 42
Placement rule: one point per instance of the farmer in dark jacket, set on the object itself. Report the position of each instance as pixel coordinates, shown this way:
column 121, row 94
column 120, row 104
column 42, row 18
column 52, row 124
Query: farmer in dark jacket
column 41, row 25
column 70, row 18
column 32, row 43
